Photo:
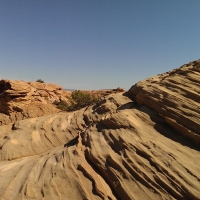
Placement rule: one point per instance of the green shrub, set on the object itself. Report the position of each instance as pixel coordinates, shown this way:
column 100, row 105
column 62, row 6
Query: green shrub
column 62, row 105
column 40, row 81
column 77, row 101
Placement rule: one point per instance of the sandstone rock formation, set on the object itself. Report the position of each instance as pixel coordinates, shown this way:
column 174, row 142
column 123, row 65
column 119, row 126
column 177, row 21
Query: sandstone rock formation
column 21, row 100
column 119, row 148
column 175, row 96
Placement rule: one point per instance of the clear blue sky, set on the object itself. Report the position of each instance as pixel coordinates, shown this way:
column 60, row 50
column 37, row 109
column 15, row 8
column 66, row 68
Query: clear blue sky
column 96, row 44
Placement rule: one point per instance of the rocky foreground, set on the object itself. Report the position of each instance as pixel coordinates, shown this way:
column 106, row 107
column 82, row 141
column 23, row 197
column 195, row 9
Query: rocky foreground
column 143, row 144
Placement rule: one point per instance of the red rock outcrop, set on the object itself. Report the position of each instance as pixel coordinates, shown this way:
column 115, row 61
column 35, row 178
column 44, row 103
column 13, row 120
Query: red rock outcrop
column 21, row 100
column 175, row 95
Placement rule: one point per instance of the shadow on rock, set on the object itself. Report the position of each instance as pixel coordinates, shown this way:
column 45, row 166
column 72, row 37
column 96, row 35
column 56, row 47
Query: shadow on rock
column 71, row 142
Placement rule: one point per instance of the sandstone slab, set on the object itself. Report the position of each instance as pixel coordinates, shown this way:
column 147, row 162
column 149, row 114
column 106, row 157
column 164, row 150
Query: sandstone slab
column 175, row 95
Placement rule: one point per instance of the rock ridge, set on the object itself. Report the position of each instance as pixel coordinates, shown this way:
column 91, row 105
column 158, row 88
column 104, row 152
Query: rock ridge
column 175, row 96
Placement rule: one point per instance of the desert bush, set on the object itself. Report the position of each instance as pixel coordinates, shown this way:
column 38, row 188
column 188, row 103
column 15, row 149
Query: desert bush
column 40, row 81
column 80, row 100
column 77, row 101
column 62, row 105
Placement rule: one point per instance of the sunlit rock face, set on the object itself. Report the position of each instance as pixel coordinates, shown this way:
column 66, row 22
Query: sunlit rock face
column 175, row 95
column 127, row 146
column 21, row 100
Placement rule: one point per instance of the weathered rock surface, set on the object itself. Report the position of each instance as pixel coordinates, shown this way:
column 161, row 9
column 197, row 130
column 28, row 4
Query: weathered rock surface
column 116, row 149
column 175, row 96
column 21, row 100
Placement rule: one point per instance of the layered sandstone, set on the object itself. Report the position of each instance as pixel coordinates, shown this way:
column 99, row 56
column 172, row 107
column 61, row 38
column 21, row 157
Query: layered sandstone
column 119, row 148
column 175, row 95
column 21, row 100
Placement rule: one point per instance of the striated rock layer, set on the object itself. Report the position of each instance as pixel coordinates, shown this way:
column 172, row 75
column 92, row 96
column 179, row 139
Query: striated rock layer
column 175, row 96
column 116, row 149
column 21, row 100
